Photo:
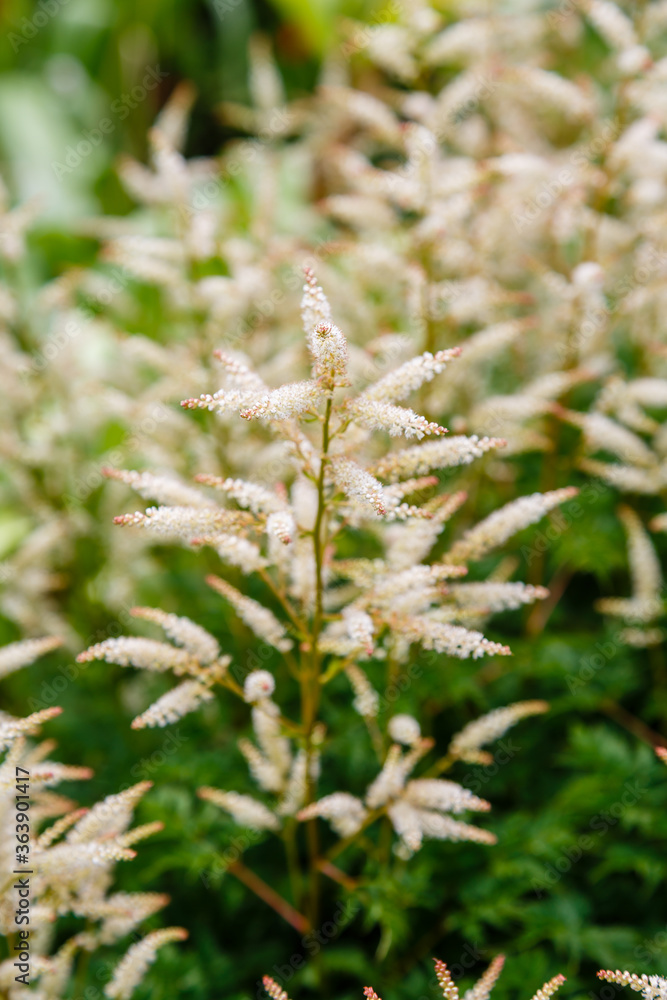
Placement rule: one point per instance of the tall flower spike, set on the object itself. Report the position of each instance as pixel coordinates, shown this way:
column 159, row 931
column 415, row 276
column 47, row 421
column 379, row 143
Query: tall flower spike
column 482, row 988
column 166, row 489
column 239, row 373
column 345, row 812
column 445, row 981
column 650, row 987
column 245, row 810
column 315, row 308
column 441, row 454
column 263, row 622
column 287, row 401
column 330, row 355
column 358, row 484
column 403, row 381
column 195, row 639
column 147, row 654
column 252, row 496
column 173, row 705
column 11, row 729
column 484, row 985
column 367, row 700
column 395, row 420
column 20, row 654
column 454, row 640
column 186, row 522
column 109, row 817
column 646, row 602
column 502, row 524
column 549, row 988
column 275, row 991
column 466, row 744
column 132, row 967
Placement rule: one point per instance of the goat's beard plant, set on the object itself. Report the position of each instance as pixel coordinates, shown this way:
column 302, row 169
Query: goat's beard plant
column 52, row 872
column 343, row 552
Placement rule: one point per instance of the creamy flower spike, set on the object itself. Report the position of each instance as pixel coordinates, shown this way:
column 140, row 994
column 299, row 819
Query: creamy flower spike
column 481, row 989
column 316, row 612
column 72, row 855
column 646, row 603
column 650, row 987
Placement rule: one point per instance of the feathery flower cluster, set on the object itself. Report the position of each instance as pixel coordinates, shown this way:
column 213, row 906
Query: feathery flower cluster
column 324, row 613
column 640, row 611
column 196, row 654
column 567, row 178
column 650, row 987
column 467, row 744
column 71, row 859
column 480, row 991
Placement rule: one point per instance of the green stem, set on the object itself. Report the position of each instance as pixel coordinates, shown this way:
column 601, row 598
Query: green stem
column 292, row 855
column 310, row 684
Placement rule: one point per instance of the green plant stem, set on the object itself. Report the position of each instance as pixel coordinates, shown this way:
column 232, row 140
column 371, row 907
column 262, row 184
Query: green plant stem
column 287, row 607
column 310, row 683
column 293, row 867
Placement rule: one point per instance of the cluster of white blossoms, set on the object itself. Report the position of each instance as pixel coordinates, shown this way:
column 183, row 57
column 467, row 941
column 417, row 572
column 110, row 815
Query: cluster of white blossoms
column 481, row 990
column 195, row 654
column 72, row 854
column 467, row 744
column 459, row 103
column 639, row 612
column 513, row 211
column 276, row 768
column 328, row 615
column 420, row 808
column 650, row 987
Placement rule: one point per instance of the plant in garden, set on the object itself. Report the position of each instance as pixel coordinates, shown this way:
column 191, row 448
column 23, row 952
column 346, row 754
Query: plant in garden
column 528, row 191
column 49, row 870
column 489, row 180
column 650, row 987
column 348, row 551
column 480, row 991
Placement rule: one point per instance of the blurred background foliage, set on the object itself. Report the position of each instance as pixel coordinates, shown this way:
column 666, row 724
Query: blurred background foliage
column 63, row 71
column 578, row 878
